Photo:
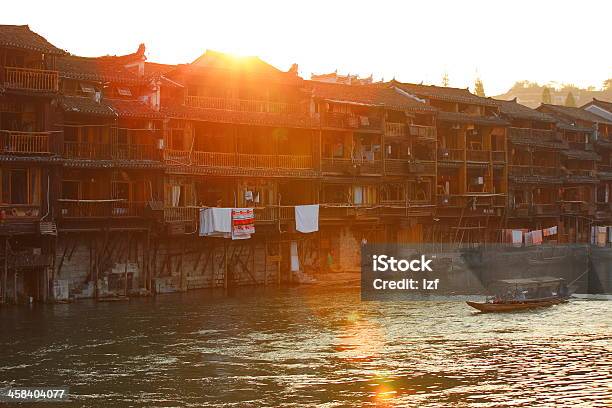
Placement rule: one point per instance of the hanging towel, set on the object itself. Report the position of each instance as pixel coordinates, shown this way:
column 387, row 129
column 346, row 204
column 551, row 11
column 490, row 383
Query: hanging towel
column 528, row 239
column 243, row 223
column 609, row 234
column 295, row 259
column 550, row 231
column 536, row 237
column 517, row 238
column 176, row 195
column 215, row 222
column 593, row 235
column 307, row 218
column 602, row 233
column 248, row 195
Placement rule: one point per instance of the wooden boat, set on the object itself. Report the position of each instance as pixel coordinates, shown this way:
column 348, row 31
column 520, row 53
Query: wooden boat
column 522, row 286
column 511, row 306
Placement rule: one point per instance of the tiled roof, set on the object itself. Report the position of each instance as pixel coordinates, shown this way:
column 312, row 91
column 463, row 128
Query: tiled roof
column 247, row 118
column 465, row 118
column 85, row 105
column 133, row 109
column 513, row 109
column 443, row 93
column 20, row 36
column 243, row 67
column 565, row 112
column 375, row 95
column 240, row 171
column 580, row 154
column 154, row 69
column 534, row 141
column 602, row 104
column 99, row 69
column 106, row 164
column 573, row 127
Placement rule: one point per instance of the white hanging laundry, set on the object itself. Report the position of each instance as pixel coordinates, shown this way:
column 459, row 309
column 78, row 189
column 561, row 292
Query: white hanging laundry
column 517, row 238
column 215, row 222
column 295, row 259
column 307, row 218
column 176, row 195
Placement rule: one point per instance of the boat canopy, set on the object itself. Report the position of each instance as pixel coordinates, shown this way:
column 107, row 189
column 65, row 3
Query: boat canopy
column 542, row 280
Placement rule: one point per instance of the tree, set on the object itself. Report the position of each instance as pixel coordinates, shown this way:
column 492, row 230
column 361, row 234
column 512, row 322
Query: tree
column 546, row 98
column 607, row 84
column 445, row 79
column 570, row 101
column 479, row 88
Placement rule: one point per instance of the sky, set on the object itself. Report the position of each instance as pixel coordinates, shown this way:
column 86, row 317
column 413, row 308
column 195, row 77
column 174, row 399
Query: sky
column 412, row 41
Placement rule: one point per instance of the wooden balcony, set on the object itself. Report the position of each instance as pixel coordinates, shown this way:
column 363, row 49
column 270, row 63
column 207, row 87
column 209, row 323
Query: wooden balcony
column 241, row 105
column 401, row 167
column 498, row 156
column 25, row 142
column 181, row 214
column 351, row 121
column 337, row 212
column 100, row 208
column 523, row 170
column 425, row 133
column 15, row 212
column 136, row 152
column 451, row 154
column 604, row 168
column 350, row 166
column 31, row 79
column 395, row 129
column 544, row 209
column 478, row 156
column 254, row 161
column 542, row 134
column 263, row 161
column 87, row 151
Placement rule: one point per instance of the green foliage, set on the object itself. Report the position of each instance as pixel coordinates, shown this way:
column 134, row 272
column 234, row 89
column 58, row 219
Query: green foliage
column 570, row 101
column 479, row 88
column 445, row 79
column 546, row 98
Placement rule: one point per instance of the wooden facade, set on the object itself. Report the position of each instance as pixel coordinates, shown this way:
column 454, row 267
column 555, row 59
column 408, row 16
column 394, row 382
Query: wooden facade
column 105, row 163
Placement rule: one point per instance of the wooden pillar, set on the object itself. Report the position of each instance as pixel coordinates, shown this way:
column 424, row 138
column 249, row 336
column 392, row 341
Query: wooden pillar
column 278, row 262
column 225, row 269
column 5, row 277
column 265, row 262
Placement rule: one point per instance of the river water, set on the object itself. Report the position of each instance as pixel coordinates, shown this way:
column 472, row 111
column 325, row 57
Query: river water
column 308, row 346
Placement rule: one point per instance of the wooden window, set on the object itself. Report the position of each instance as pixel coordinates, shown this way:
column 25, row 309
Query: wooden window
column 21, row 186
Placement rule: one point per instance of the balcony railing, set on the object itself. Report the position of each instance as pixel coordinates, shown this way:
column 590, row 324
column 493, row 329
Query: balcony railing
column 242, row 105
column 423, row 132
column 135, row 152
column 351, row 166
column 395, row 129
column 451, row 154
column 478, row 155
column 524, row 170
column 90, row 151
column 405, row 166
column 351, row 121
column 181, row 214
column 31, row 79
column 20, row 211
column 605, row 168
column 545, row 208
column 542, row 134
column 215, row 159
column 100, row 208
column 25, row 142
